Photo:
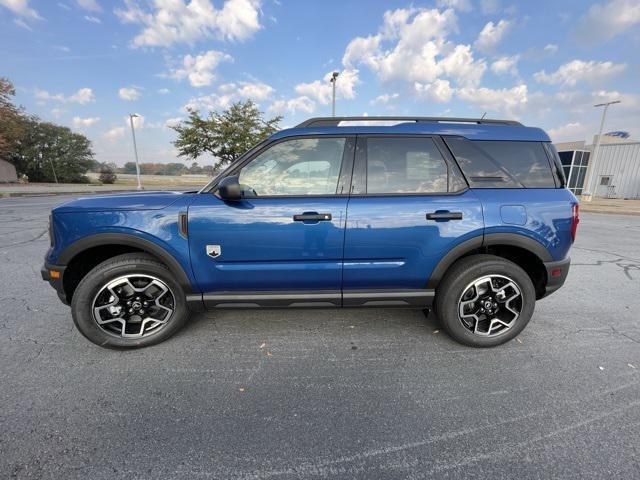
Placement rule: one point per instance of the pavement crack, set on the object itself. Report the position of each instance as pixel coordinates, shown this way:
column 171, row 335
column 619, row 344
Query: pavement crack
column 38, row 237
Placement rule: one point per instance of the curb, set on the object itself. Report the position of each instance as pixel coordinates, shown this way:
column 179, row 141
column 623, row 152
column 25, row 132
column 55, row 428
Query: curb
column 49, row 194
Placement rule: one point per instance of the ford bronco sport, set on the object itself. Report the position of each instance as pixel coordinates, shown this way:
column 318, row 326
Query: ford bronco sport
column 467, row 217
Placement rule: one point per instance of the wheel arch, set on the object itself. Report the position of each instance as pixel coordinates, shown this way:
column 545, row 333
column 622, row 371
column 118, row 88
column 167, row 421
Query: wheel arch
column 84, row 254
column 526, row 252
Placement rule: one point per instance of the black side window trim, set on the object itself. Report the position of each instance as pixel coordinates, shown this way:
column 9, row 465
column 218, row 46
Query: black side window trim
column 359, row 177
column 346, row 166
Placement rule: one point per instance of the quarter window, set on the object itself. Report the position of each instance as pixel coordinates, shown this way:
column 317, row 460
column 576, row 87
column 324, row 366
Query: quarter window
column 502, row 164
column 405, row 165
column 303, row 166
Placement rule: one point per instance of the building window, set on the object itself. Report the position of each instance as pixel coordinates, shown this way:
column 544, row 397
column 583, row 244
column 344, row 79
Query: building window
column 575, row 163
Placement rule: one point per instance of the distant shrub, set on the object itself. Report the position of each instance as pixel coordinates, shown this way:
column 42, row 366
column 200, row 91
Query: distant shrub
column 107, row 174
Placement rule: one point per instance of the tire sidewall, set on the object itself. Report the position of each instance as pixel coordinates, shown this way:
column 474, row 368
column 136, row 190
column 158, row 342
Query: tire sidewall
column 453, row 288
column 94, row 281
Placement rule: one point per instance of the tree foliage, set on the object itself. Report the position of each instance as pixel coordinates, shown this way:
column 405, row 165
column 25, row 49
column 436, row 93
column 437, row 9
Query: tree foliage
column 41, row 150
column 47, row 152
column 225, row 135
column 11, row 126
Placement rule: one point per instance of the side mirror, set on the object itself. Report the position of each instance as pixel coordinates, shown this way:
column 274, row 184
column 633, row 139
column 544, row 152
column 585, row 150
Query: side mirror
column 229, row 188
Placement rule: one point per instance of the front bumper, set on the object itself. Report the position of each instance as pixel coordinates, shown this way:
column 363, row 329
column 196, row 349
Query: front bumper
column 48, row 274
column 556, row 274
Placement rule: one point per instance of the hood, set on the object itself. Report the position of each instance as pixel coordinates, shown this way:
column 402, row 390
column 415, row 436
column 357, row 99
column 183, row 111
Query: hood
column 120, row 201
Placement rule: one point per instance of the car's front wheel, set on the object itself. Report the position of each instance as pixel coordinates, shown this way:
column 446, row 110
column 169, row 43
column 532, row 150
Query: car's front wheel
column 485, row 300
column 129, row 301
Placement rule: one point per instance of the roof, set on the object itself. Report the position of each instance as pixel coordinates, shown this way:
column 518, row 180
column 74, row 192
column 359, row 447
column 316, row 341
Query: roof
column 471, row 128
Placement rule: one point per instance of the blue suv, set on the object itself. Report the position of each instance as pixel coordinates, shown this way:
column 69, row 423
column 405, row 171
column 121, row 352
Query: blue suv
column 469, row 218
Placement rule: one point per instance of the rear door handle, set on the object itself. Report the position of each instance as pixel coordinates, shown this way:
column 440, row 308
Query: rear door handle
column 312, row 217
column 444, row 216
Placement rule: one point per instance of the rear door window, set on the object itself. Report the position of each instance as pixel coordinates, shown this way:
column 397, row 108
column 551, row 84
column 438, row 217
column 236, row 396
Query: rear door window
column 503, row 164
column 405, row 165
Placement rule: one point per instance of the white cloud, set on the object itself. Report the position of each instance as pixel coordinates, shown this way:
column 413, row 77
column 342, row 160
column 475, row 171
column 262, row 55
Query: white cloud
column 114, row 133
column 90, row 5
column 92, row 19
column 172, row 122
column 551, row 48
column 462, row 5
column 22, row 24
column 509, row 101
column 569, row 132
column 56, row 112
column 200, row 70
column 412, row 46
column 492, row 34
column 82, row 96
column 189, row 21
column 163, row 91
column 129, row 94
column 438, row 91
column 322, row 90
column 298, row 104
column 578, row 70
column 385, row 98
column 503, row 65
column 606, row 20
column 21, row 8
column 62, row 48
column 229, row 93
column 85, row 122
column 256, row 91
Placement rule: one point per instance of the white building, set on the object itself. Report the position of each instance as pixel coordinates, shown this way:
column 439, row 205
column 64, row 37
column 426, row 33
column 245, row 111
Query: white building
column 617, row 167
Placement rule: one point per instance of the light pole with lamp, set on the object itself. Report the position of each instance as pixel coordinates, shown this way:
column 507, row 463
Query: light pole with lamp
column 588, row 194
column 334, row 77
column 135, row 148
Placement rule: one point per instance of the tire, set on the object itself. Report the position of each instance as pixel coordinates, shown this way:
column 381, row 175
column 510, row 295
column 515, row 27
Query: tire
column 166, row 311
column 470, row 277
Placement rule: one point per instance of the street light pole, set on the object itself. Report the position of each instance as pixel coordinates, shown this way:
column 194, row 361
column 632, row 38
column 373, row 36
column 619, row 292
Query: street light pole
column 334, row 77
column 588, row 195
column 135, row 148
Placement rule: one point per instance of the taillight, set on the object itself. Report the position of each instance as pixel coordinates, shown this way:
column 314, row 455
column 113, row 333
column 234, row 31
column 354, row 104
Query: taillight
column 575, row 219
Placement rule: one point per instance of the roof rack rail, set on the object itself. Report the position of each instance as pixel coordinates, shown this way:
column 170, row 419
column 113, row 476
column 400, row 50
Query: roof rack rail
column 335, row 121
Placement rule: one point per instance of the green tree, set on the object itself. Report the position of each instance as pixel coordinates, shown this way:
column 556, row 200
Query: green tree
column 47, row 152
column 11, row 119
column 225, row 135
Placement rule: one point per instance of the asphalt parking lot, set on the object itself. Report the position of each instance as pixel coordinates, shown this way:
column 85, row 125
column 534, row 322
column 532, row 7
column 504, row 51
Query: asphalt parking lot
column 324, row 393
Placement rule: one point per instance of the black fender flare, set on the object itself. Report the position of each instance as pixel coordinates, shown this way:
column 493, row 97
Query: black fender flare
column 513, row 239
column 101, row 239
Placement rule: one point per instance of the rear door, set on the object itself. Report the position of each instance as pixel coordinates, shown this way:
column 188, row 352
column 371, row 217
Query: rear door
column 409, row 206
column 286, row 236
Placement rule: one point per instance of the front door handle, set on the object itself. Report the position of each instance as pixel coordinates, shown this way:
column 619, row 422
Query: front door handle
column 440, row 215
column 312, row 217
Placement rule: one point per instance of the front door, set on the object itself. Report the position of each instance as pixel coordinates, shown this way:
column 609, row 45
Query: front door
column 282, row 244
column 409, row 208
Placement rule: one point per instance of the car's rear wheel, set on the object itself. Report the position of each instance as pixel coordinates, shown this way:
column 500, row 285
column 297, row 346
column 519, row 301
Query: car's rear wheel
column 484, row 300
column 129, row 301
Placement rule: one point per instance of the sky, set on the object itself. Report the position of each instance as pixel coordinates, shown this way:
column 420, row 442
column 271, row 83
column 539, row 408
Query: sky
column 88, row 64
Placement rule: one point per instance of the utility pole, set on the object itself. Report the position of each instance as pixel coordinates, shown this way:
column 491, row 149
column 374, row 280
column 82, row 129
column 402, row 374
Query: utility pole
column 334, row 77
column 588, row 194
column 135, row 148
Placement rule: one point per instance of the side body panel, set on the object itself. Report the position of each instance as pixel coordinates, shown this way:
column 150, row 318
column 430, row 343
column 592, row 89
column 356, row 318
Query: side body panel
column 72, row 224
column 263, row 248
column 544, row 215
column 390, row 243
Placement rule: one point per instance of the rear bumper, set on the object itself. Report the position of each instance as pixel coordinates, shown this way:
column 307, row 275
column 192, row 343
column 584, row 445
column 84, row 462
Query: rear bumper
column 556, row 274
column 56, row 283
